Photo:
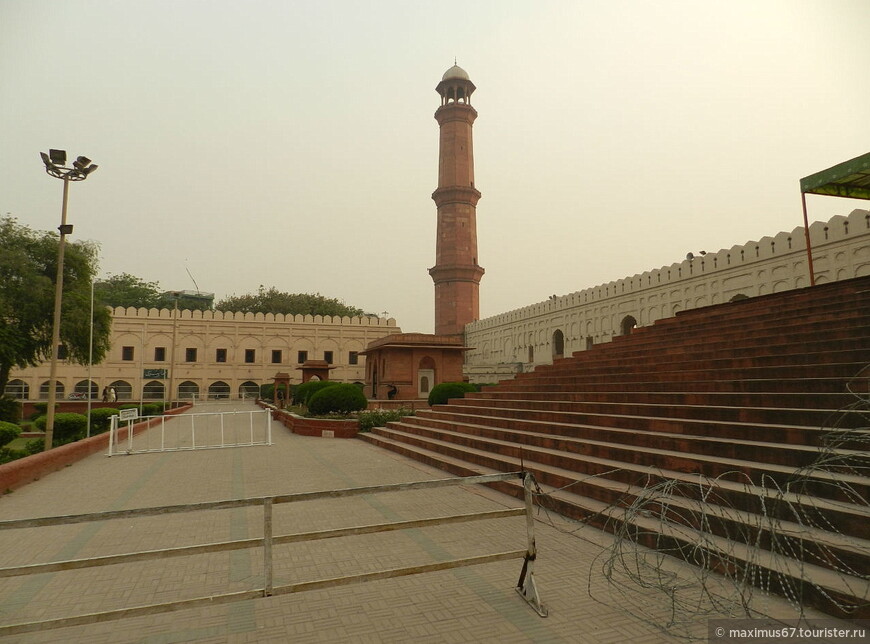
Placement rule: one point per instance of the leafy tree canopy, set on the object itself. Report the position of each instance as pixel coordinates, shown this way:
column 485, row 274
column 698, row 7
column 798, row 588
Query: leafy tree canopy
column 28, row 268
column 274, row 301
column 128, row 290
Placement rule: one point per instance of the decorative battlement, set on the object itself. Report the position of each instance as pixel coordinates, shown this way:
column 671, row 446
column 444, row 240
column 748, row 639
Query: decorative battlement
column 836, row 230
column 239, row 316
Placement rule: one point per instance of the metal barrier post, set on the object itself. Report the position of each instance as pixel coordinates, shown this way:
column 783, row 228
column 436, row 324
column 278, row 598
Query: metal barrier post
column 268, row 427
column 526, row 585
column 113, row 427
column 193, row 431
column 267, row 547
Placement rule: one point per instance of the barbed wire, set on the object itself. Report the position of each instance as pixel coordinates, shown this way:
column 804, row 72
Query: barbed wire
column 748, row 538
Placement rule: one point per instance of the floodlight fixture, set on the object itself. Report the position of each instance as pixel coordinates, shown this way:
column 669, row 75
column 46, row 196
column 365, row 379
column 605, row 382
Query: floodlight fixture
column 55, row 162
column 58, row 157
column 81, row 163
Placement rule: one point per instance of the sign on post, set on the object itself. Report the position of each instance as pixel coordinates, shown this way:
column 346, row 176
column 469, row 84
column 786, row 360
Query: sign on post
column 128, row 414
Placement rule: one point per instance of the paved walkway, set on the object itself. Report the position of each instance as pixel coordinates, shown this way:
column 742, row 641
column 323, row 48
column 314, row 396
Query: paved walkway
column 476, row 604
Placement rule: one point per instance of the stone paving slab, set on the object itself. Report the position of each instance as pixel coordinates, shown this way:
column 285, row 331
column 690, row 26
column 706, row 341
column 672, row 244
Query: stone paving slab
column 475, row 604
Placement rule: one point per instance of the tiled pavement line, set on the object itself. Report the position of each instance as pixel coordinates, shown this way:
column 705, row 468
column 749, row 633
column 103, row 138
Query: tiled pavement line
column 29, row 588
column 511, row 607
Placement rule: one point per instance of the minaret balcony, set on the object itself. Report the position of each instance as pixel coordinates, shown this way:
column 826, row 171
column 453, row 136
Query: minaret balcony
column 456, row 194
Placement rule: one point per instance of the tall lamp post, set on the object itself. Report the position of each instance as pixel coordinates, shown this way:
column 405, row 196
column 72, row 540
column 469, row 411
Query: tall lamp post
column 55, row 165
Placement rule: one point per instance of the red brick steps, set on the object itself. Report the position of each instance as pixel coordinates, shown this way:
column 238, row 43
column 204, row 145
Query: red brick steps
column 733, row 405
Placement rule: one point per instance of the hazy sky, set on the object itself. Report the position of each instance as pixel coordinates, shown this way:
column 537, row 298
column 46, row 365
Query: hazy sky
column 293, row 143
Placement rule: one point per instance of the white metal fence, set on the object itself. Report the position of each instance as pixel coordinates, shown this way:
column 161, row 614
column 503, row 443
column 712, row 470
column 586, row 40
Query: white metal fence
column 525, row 586
column 208, row 430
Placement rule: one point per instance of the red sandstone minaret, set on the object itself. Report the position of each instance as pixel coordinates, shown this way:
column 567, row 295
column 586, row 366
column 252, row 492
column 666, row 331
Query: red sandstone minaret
column 456, row 273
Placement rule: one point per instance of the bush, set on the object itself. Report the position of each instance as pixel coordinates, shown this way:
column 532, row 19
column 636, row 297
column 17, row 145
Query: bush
column 303, row 392
column 8, row 432
column 380, row 417
column 34, row 446
column 440, row 394
column 41, row 409
column 8, row 455
column 152, row 409
column 67, row 427
column 10, row 410
column 267, row 392
column 101, row 419
column 338, row 398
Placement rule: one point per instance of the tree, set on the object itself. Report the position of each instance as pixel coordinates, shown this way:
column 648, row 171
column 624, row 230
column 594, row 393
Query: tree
column 127, row 290
column 275, row 301
column 28, row 268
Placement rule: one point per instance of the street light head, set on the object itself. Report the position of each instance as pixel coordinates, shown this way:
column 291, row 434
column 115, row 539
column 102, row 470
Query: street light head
column 45, row 159
column 58, row 157
column 86, row 171
column 81, row 163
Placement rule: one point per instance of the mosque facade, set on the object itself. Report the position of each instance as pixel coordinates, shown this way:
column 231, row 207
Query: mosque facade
column 217, row 354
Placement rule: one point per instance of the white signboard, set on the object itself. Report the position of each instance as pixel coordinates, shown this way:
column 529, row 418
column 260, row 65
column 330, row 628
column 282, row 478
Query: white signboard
column 128, row 414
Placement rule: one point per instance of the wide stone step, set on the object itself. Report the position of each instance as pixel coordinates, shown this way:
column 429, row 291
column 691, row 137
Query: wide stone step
column 566, row 411
column 612, row 367
column 577, row 455
column 702, row 347
column 842, row 370
column 798, row 400
column 818, row 583
column 762, row 386
column 655, row 427
column 607, row 481
column 645, row 430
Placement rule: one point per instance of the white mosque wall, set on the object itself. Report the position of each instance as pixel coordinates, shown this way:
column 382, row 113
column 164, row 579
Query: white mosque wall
column 520, row 340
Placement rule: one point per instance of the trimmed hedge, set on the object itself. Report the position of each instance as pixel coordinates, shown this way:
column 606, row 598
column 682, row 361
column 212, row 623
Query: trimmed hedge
column 100, row 419
column 67, row 427
column 8, row 432
column 303, row 392
column 338, row 398
column 440, row 394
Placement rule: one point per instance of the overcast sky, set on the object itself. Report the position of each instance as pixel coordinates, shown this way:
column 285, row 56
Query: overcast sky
column 293, row 144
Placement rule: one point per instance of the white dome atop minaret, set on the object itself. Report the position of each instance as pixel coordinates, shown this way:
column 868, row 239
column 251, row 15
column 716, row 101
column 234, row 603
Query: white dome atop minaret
column 455, row 72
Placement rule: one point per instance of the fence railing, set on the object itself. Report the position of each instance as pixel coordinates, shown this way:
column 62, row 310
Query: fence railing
column 207, row 430
column 525, row 586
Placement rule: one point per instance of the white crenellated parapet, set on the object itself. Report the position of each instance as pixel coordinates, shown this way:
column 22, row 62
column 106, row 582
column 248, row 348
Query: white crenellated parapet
column 240, row 316
column 523, row 338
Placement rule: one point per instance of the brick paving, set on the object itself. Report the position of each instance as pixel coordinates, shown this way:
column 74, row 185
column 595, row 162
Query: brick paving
column 475, row 604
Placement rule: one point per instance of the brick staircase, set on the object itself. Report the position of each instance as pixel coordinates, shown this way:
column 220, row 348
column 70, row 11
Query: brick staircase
column 707, row 435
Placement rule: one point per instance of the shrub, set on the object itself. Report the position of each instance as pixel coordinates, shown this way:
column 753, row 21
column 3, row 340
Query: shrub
column 303, row 392
column 152, row 409
column 8, row 432
column 34, row 446
column 101, row 419
column 41, row 409
column 10, row 409
column 440, row 394
column 338, row 398
column 380, row 417
column 8, row 455
column 267, row 392
column 67, row 427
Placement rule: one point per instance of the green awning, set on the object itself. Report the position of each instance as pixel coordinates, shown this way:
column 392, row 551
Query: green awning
column 848, row 179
